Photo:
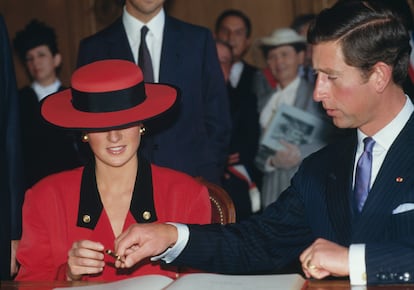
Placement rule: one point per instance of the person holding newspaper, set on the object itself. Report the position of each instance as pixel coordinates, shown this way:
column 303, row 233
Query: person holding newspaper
column 284, row 51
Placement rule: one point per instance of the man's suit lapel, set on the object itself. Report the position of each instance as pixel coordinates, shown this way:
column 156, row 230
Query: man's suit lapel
column 117, row 42
column 390, row 183
column 171, row 50
column 339, row 186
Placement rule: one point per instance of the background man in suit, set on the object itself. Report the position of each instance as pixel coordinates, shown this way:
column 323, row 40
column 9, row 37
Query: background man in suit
column 361, row 53
column 234, row 27
column 242, row 179
column 11, row 189
column 196, row 140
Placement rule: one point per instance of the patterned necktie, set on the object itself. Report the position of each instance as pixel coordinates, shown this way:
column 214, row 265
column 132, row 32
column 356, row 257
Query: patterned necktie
column 144, row 57
column 363, row 174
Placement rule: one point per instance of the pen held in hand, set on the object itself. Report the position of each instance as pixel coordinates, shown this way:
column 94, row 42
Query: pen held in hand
column 112, row 254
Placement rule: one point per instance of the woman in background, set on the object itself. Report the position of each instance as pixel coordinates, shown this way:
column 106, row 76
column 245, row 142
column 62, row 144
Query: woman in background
column 46, row 149
column 284, row 51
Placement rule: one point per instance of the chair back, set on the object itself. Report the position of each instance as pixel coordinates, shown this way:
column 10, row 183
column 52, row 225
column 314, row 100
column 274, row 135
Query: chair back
column 222, row 206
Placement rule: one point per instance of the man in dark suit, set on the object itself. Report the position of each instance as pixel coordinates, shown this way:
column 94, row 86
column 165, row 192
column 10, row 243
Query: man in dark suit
column 361, row 53
column 196, row 140
column 241, row 179
column 10, row 160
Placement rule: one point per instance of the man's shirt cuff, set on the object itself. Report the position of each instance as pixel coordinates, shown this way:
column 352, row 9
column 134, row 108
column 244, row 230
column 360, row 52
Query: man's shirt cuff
column 173, row 252
column 357, row 268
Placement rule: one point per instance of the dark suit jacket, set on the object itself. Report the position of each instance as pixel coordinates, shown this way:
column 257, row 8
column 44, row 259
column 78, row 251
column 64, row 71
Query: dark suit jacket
column 318, row 204
column 11, row 187
column 193, row 139
column 245, row 117
column 244, row 140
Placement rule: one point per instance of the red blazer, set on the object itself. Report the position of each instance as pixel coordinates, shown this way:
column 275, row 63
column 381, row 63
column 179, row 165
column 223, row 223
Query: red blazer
column 54, row 214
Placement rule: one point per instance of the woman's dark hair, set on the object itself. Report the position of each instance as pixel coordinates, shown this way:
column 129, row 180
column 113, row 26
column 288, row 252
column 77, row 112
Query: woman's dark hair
column 368, row 32
column 35, row 33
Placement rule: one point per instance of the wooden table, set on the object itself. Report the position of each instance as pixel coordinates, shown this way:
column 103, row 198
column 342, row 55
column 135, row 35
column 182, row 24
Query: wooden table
column 312, row 285
column 344, row 285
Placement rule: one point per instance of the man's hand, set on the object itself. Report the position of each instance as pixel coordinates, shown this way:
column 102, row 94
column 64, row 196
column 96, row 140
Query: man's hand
column 324, row 258
column 85, row 257
column 141, row 241
column 233, row 159
column 14, row 266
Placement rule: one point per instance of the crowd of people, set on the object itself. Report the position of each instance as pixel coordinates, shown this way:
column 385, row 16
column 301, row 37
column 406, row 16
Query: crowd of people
column 116, row 158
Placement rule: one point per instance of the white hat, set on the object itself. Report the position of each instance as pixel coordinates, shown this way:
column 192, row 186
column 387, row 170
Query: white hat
column 282, row 36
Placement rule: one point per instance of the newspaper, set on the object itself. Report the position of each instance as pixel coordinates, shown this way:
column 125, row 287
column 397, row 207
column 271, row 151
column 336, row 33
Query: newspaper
column 292, row 125
column 201, row 281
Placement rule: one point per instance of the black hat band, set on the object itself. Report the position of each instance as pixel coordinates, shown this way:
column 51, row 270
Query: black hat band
column 101, row 102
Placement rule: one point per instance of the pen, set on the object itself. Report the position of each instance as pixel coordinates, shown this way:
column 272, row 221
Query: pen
column 112, row 254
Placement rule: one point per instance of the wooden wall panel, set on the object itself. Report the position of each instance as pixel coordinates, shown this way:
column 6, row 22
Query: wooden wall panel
column 265, row 15
column 72, row 19
column 76, row 19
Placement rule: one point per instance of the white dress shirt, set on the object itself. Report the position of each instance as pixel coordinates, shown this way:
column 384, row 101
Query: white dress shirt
column 154, row 37
column 43, row 91
column 235, row 73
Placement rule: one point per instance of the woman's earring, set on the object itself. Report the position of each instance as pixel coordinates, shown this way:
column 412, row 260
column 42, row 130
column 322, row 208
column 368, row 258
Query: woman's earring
column 142, row 130
column 85, row 138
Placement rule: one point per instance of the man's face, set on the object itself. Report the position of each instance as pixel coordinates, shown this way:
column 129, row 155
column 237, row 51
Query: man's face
column 349, row 98
column 233, row 31
column 144, row 10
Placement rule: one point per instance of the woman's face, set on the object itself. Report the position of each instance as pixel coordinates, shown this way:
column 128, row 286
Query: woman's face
column 42, row 64
column 115, row 148
column 284, row 63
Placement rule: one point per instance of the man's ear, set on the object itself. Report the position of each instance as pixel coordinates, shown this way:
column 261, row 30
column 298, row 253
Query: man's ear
column 381, row 76
column 57, row 60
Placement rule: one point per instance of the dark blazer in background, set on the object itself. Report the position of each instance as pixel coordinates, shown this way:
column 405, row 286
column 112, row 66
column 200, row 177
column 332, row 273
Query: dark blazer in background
column 318, row 204
column 11, row 186
column 46, row 148
column 244, row 139
column 245, row 119
column 198, row 133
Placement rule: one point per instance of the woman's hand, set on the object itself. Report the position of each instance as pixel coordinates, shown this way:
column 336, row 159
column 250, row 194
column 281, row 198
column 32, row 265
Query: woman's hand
column 288, row 157
column 85, row 257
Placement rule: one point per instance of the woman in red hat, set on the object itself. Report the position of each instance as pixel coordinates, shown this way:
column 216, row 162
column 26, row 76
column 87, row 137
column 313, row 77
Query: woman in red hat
column 71, row 219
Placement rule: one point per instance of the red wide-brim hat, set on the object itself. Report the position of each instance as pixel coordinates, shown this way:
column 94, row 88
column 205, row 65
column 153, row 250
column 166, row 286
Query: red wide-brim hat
column 107, row 94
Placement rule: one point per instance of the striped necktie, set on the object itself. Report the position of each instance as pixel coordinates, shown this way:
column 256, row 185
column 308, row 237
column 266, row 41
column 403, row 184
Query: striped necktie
column 363, row 174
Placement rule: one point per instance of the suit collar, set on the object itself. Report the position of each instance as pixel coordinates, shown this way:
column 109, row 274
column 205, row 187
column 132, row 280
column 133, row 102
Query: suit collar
column 142, row 204
column 118, row 45
column 303, row 94
column 173, row 47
